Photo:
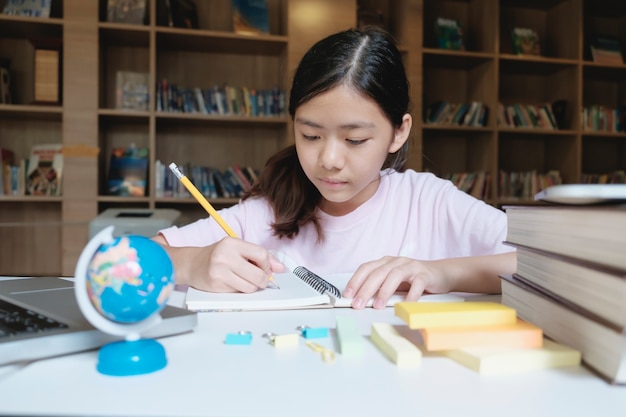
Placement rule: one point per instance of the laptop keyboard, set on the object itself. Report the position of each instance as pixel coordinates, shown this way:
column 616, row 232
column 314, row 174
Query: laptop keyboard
column 16, row 320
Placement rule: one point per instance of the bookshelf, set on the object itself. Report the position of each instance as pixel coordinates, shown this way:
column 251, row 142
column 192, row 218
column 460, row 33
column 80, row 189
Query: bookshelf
column 46, row 234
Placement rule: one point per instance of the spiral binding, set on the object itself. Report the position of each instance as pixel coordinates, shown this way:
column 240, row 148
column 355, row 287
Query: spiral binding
column 316, row 282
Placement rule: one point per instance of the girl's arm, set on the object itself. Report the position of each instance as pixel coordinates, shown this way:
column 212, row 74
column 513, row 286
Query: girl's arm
column 230, row 265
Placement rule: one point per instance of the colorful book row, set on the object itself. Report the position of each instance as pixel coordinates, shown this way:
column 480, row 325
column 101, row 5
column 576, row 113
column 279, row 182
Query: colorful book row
column 603, row 119
column 540, row 116
column 223, row 100
column 445, row 113
column 212, row 182
column 525, row 184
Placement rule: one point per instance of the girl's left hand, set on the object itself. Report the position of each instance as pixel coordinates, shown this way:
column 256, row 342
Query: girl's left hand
column 382, row 278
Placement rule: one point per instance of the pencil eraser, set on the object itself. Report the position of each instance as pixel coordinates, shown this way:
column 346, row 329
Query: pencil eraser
column 402, row 352
column 238, row 339
column 314, row 332
column 350, row 340
column 286, row 340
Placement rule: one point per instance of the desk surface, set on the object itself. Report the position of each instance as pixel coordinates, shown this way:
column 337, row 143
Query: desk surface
column 205, row 377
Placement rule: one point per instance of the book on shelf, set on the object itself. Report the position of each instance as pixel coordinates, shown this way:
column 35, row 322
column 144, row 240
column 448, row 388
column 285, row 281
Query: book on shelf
column 592, row 286
column 525, row 41
column 182, row 14
column 449, row 34
column 606, row 50
column 5, row 81
column 126, row 11
column 128, row 172
column 7, row 163
column 132, row 90
column 45, row 170
column 250, row 17
column 593, row 233
column 32, row 8
column 298, row 290
column 601, row 343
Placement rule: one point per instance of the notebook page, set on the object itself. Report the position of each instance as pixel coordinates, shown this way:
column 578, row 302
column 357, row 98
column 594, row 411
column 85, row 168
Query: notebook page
column 293, row 293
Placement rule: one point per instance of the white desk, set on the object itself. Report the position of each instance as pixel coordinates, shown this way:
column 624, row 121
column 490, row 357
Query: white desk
column 205, row 377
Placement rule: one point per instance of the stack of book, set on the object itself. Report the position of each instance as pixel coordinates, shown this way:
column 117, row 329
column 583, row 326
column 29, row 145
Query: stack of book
column 487, row 337
column 571, row 279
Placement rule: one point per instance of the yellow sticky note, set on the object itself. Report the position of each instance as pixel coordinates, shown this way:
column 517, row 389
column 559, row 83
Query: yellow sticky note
column 499, row 361
column 427, row 315
column 402, row 352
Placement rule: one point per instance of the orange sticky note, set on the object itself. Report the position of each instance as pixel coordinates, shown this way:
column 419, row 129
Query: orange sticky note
column 517, row 335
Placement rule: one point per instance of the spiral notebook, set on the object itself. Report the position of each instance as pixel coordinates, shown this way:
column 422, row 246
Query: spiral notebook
column 299, row 289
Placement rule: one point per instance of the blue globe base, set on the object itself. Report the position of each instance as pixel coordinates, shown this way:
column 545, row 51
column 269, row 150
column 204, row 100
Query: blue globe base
column 127, row 358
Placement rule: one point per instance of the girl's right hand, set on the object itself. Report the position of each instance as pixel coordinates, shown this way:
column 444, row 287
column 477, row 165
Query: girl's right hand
column 230, row 265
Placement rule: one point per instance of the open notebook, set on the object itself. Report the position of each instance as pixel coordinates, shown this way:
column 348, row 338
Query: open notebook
column 298, row 289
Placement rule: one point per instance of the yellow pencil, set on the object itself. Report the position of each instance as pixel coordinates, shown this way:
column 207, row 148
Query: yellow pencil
column 207, row 206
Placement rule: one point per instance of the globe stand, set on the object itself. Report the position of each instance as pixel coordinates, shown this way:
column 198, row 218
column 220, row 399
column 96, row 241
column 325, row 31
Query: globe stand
column 133, row 355
column 125, row 358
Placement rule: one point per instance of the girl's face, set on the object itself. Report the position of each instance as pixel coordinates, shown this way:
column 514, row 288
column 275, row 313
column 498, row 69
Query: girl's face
column 342, row 139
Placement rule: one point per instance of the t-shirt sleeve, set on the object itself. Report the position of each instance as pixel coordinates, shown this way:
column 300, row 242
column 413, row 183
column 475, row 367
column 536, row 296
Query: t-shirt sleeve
column 480, row 228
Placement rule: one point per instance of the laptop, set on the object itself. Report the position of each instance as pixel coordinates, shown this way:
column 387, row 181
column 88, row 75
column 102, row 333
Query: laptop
column 54, row 324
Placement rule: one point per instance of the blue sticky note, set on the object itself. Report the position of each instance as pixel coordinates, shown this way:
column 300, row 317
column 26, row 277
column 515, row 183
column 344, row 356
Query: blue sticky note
column 315, row 332
column 238, row 339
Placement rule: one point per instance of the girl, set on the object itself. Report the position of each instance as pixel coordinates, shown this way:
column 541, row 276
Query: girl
column 340, row 199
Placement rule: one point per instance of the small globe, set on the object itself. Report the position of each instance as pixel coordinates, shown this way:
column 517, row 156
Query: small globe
column 129, row 279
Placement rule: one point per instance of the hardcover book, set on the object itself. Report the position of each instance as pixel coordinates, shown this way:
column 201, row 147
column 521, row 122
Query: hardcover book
column 592, row 233
column 132, row 90
column 449, row 34
column 597, row 288
column 606, row 50
column 525, row 41
column 128, row 172
column 33, row 8
column 45, row 170
column 250, row 17
column 184, row 14
column 126, row 11
column 601, row 343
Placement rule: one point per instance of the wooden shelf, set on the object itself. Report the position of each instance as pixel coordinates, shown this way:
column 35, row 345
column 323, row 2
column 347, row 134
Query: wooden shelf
column 487, row 71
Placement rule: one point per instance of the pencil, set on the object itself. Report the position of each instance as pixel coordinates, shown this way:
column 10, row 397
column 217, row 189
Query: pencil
column 207, row 206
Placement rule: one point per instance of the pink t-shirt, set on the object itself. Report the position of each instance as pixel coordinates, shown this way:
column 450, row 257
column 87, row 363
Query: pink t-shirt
column 416, row 215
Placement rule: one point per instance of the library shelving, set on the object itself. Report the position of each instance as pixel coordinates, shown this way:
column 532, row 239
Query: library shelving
column 44, row 235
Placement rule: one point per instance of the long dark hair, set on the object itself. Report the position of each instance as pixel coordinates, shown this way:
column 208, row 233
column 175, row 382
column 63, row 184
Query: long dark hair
column 367, row 60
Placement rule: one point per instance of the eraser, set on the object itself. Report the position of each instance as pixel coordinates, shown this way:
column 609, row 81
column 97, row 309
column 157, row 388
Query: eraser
column 285, row 340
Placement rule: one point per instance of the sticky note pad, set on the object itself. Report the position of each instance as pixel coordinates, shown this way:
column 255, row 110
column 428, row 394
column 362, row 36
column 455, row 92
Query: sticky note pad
column 517, row 335
column 445, row 314
column 402, row 352
column 499, row 361
column 350, row 340
column 238, row 339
